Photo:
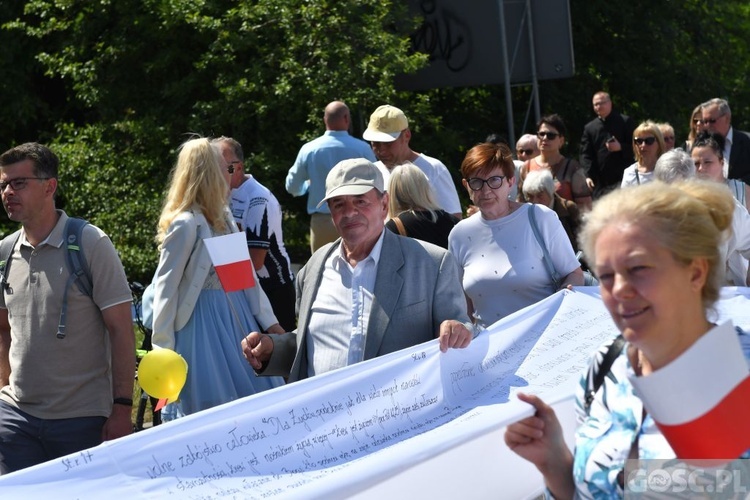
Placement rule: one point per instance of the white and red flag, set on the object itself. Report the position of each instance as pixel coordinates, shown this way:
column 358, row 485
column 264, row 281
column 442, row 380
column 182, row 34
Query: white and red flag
column 701, row 400
column 231, row 259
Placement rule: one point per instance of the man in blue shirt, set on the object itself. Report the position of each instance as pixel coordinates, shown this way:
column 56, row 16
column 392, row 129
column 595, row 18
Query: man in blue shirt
column 314, row 160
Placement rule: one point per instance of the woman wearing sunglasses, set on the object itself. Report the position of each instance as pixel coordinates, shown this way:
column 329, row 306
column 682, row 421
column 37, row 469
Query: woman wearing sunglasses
column 500, row 256
column 648, row 146
column 695, row 120
column 570, row 180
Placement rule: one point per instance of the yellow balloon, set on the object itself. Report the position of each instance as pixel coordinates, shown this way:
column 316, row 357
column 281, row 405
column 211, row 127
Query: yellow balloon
column 162, row 373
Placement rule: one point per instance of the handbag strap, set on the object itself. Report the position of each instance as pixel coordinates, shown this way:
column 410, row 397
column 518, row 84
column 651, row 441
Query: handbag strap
column 545, row 253
column 565, row 170
column 400, row 226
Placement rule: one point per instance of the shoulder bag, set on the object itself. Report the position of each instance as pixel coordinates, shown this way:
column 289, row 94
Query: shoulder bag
column 588, row 278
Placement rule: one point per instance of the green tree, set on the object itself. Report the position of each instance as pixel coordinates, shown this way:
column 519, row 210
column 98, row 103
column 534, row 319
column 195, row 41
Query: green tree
column 116, row 86
column 142, row 75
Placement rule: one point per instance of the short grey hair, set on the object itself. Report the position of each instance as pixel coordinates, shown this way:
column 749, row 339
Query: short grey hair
column 722, row 103
column 538, row 181
column 529, row 139
column 674, row 165
column 234, row 144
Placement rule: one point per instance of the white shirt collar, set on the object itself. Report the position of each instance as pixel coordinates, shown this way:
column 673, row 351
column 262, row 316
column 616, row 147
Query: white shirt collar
column 374, row 253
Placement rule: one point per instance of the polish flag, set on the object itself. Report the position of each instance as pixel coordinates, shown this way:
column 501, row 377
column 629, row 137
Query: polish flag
column 701, row 400
column 231, row 259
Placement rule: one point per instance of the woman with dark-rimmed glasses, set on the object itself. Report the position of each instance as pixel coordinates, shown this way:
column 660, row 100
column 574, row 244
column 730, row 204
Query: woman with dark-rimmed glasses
column 500, row 256
column 648, row 146
column 570, row 180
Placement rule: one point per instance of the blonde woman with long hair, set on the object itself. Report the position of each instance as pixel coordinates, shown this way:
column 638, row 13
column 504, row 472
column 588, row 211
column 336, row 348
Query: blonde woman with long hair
column 412, row 208
column 192, row 314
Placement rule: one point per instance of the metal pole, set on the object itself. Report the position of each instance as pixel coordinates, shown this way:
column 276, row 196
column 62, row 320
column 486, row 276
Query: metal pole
column 506, row 75
column 532, row 57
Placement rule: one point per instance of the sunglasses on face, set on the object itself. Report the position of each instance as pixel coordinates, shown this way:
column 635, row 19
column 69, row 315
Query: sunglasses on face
column 548, row 135
column 648, row 140
column 477, row 183
column 231, row 167
column 524, row 151
column 709, row 121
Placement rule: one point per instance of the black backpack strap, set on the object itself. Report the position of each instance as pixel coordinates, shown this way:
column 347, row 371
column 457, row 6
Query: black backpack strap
column 6, row 252
column 77, row 263
column 77, row 267
column 599, row 369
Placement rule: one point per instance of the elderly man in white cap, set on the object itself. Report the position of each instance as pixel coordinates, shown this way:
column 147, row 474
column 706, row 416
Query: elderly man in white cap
column 389, row 136
column 369, row 293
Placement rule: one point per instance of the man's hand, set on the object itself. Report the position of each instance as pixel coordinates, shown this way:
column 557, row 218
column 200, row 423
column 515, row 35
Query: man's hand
column 590, row 183
column 257, row 349
column 118, row 424
column 275, row 328
column 454, row 334
column 613, row 145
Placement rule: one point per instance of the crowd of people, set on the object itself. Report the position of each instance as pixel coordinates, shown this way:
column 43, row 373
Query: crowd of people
column 396, row 261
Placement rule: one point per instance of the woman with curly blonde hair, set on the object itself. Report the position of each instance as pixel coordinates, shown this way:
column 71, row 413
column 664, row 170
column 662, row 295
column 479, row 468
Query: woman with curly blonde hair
column 192, row 314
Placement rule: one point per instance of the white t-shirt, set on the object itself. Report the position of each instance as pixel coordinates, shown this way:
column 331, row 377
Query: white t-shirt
column 440, row 178
column 629, row 177
column 501, row 261
column 257, row 211
column 736, row 249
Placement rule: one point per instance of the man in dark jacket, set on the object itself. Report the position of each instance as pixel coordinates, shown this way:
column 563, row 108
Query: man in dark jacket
column 717, row 119
column 606, row 146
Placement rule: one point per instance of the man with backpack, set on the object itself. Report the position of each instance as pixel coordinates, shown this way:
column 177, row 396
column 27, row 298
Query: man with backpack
column 67, row 346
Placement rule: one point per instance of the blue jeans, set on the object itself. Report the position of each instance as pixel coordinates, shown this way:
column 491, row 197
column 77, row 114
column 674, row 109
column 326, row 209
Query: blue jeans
column 27, row 440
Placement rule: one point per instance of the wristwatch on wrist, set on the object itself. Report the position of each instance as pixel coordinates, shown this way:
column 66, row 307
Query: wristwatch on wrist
column 123, row 401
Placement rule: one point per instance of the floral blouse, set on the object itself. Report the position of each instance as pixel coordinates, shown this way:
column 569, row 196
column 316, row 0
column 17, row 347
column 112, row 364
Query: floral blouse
column 604, row 438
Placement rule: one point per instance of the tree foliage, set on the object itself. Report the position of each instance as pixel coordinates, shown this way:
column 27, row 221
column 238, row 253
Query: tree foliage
column 114, row 86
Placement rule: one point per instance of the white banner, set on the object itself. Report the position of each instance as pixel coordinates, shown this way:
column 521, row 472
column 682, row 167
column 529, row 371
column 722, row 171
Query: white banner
column 339, row 434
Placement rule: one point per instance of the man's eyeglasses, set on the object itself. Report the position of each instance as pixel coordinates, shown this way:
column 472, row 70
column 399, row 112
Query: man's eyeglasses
column 648, row 140
column 477, row 183
column 231, row 168
column 710, row 121
column 527, row 152
column 548, row 135
column 668, row 138
column 19, row 183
